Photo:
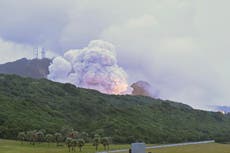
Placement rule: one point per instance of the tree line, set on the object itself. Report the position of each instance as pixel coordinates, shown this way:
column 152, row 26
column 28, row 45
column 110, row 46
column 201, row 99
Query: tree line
column 70, row 138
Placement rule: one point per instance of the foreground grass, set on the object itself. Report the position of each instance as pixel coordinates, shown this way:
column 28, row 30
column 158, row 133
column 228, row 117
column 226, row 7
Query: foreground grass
column 8, row 146
column 201, row 148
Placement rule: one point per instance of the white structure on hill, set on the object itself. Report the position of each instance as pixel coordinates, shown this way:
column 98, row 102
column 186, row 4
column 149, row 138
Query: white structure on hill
column 39, row 51
column 43, row 53
column 35, row 53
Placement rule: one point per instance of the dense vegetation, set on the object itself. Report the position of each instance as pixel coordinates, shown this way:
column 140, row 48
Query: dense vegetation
column 27, row 104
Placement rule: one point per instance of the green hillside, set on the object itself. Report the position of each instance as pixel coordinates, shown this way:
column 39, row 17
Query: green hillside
column 28, row 104
column 35, row 68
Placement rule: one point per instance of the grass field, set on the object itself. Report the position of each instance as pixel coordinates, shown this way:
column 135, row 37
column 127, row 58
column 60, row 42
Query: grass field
column 201, row 148
column 7, row 146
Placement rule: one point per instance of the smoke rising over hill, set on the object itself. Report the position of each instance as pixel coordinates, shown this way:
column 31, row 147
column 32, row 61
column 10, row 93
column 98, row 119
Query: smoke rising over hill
column 93, row 67
column 184, row 53
column 143, row 88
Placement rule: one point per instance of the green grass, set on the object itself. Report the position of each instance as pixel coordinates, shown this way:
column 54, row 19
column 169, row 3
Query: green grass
column 8, row 146
column 201, row 148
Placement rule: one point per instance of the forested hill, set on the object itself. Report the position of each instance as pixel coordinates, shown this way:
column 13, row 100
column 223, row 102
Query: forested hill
column 28, row 104
column 35, row 68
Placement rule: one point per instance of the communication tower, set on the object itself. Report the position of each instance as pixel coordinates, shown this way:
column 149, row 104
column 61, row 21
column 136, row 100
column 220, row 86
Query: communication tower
column 43, row 53
column 35, row 52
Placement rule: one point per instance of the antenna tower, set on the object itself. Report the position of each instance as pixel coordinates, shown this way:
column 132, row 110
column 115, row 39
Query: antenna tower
column 35, row 53
column 43, row 53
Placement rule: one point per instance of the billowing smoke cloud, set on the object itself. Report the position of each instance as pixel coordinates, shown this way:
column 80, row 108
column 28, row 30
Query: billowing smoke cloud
column 93, row 67
column 143, row 88
column 184, row 53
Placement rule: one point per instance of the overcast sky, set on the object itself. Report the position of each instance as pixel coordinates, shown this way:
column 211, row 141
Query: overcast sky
column 181, row 47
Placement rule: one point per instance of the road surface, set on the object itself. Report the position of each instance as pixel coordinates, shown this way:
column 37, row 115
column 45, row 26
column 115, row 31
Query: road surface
column 165, row 146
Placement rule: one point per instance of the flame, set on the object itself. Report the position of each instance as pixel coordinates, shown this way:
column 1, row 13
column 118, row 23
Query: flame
column 119, row 87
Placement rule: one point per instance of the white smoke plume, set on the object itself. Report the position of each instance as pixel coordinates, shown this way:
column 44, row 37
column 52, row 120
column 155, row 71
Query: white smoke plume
column 93, row 67
column 142, row 88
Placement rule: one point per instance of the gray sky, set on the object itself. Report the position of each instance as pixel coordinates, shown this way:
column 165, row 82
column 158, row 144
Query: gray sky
column 180, row 46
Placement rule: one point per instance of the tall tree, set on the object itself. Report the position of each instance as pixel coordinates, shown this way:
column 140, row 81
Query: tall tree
column 58, row 138
column 22, row 136
column 49, row 138
column 80, row 143
column 66, row 130
column 74, row 144
column 96, row 141
column 73, row 134
column 39, row 136
column 84, row 136
column 68, row 143
column 105, row 141
column 31, row 136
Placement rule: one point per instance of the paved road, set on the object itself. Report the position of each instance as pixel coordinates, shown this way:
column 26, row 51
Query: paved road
column 180, row 144
column 165, row 146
